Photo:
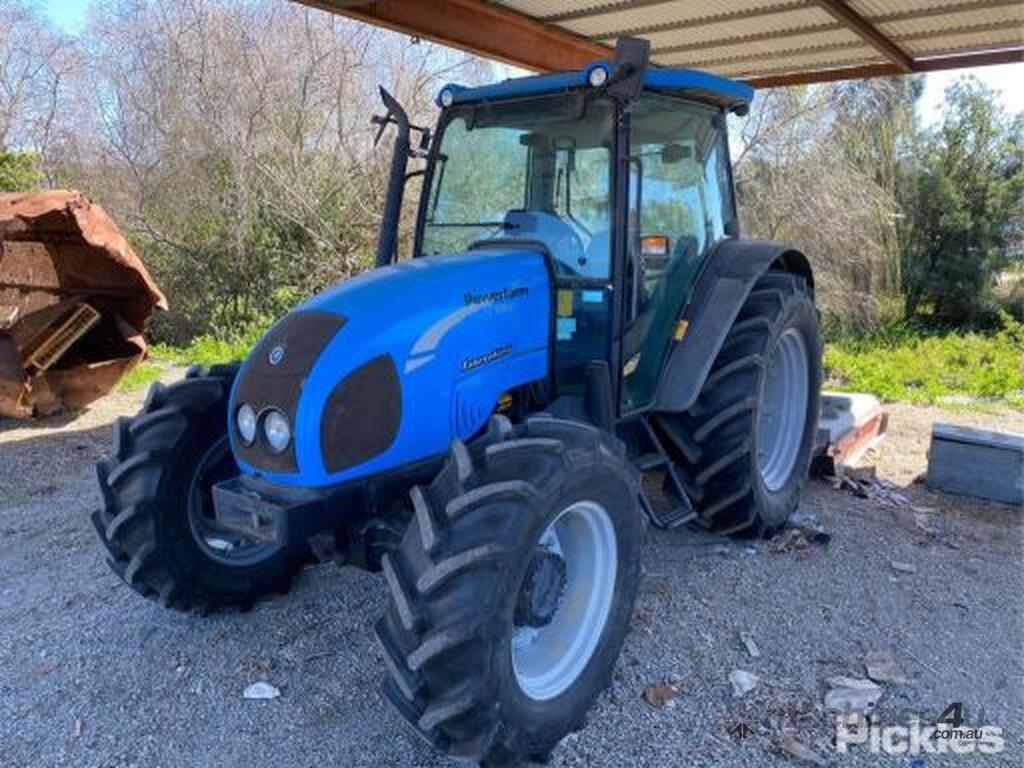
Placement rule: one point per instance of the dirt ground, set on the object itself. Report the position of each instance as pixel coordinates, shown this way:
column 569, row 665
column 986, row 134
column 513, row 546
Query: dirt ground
column 92, row 675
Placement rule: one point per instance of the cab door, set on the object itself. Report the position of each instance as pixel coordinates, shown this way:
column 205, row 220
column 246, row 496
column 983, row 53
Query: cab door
column 680, row 207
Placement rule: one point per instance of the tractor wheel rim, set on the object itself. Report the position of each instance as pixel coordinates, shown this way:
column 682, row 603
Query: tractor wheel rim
column 222, row 546
column 549, row 659
column 783, row 410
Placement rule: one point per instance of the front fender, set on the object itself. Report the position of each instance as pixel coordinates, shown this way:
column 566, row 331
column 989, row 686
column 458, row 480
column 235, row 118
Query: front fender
column 718, row 295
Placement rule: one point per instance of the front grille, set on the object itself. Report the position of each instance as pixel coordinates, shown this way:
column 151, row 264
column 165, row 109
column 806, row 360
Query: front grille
column 273, row 377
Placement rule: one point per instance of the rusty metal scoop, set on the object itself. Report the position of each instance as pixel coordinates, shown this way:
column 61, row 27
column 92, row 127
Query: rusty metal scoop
column 74, row 300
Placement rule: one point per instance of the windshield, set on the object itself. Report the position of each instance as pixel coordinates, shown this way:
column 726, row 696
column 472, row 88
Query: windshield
column 531, row 169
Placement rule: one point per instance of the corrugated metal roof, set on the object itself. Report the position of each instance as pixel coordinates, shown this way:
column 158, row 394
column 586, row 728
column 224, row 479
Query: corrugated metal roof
column 1009, row 16
column 767, row 42
column 794, row 40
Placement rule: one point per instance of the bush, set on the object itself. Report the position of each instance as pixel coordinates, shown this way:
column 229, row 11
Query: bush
column 901, row 362
column 19, row 171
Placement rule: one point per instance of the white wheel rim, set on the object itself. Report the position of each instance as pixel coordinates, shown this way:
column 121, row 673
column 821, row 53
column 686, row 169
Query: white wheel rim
column 783, row 410
column 549, row 659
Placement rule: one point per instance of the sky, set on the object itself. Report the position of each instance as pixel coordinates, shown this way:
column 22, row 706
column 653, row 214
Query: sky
column 69, row 16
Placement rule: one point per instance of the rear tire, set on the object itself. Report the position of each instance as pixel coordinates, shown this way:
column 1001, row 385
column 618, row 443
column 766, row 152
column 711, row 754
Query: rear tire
column 744, row 450
column 447, row 636
column 165, row 459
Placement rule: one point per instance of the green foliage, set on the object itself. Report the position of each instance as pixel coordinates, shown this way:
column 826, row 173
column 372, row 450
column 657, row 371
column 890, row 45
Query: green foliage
column 140, row 377
column 901, row 362
column 19, row 171
column 238, row 259
column 208, row 349
column 965, row 207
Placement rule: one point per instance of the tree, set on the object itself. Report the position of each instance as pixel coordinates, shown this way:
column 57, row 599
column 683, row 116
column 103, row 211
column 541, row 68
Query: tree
column 38, row 69
column 233, row 141
column 876, row 125
column 19, row 171
column 797, row 182
column 965, row 207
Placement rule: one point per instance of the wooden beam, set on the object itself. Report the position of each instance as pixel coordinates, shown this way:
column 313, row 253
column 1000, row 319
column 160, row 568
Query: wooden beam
column 863, row 72
column 935, row 61
column 477, row 27
column 858, row 24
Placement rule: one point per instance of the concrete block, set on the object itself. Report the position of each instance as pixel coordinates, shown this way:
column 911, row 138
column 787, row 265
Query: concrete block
column 850, row 423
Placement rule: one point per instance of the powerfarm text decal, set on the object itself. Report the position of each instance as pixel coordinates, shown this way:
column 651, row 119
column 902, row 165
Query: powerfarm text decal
column 505, row 294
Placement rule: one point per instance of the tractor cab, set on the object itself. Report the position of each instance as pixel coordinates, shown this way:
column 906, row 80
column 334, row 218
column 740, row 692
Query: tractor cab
column 619, row 174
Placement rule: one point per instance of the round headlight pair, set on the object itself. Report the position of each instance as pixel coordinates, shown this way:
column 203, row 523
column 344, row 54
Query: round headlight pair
column 276, row 429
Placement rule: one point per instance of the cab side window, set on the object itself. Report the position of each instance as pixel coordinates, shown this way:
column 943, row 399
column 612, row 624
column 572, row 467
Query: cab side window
column 680, row 206
column 582, row 197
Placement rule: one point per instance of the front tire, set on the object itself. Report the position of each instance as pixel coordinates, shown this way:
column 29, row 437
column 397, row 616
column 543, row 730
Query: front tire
column 521, row 540
column 156, row 519
column 744, row 448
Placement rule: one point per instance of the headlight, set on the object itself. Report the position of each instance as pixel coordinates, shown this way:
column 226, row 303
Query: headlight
column 597, row 77
column 447, row 97
column 277, row 431
column 245, row 420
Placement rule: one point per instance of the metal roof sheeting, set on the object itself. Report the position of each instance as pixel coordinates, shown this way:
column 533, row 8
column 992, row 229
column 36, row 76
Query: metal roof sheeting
column 796, row 40
column 767, row 42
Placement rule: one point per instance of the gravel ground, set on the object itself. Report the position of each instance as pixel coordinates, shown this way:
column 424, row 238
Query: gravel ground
column 92, row 675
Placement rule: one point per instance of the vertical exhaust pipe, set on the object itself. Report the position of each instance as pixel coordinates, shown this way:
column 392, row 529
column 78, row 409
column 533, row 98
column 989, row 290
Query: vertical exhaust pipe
column 387, row 239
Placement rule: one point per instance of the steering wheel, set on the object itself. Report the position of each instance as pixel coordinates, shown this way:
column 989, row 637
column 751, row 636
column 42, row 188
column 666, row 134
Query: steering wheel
column 561, row 238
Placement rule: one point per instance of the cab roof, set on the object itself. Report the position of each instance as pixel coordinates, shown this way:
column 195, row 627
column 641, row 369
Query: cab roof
column 694, row 84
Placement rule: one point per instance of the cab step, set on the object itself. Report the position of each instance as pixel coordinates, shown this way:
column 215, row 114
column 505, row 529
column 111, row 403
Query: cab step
column 652, row 458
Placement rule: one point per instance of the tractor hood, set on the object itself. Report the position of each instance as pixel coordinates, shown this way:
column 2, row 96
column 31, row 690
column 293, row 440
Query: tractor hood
column 389, row 367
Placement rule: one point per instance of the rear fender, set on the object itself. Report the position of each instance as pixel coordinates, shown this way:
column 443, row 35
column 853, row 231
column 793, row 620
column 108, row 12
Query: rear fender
column 718, row 295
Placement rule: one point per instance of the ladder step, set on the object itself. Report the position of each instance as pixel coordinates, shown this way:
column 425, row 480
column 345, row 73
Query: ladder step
column 671, row 519
column 657, row 458
column 677, row 517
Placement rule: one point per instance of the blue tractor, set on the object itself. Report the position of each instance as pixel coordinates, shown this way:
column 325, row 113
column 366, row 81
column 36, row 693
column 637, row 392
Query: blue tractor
column 578, row 342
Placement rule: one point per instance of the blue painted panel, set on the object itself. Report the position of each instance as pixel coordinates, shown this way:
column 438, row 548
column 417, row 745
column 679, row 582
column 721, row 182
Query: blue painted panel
column 702, row 86
column 461, row 330
column 725, row 88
